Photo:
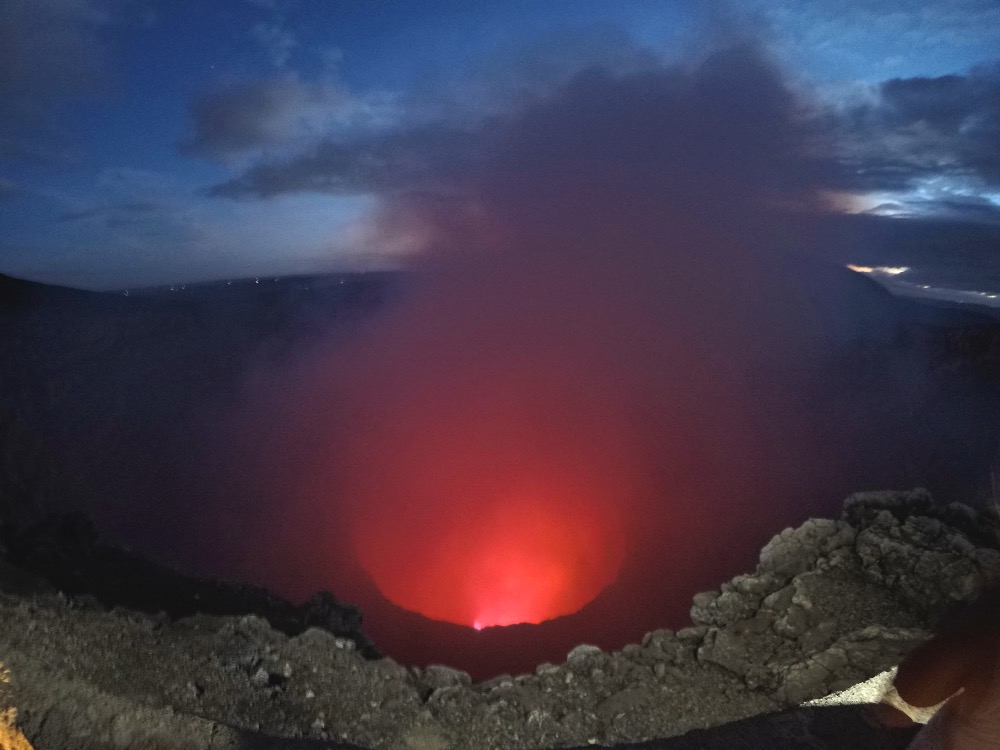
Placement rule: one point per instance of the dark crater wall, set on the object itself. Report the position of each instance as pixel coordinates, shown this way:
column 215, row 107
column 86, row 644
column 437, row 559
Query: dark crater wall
column 109, row 405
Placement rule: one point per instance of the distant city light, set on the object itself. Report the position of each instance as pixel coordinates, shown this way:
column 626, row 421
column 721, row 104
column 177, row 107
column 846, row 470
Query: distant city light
column 879, row 270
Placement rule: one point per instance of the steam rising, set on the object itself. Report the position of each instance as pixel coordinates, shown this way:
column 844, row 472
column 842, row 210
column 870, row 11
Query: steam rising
column 582, row 348
column 597, row 372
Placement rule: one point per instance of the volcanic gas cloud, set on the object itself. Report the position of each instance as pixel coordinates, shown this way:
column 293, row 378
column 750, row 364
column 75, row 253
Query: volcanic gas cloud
column 505, row 441
column 484, row 485
column 571, row 365
column 590, row 371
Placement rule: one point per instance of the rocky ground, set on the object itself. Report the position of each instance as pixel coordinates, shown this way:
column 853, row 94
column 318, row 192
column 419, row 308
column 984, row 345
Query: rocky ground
column 830, row 604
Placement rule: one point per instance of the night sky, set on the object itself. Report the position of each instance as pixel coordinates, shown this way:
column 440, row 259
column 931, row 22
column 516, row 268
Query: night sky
column 145, row 143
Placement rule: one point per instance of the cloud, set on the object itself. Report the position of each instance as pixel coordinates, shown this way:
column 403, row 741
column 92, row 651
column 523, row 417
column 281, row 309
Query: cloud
column 979, row 210
column 716, row 135
column 729, row 121
column 425, row 158
column 751, row 128
column 242, row 117
column 8, row 188
column 913, row 129
column 321, row 137
column 856, row 39
column 276, row 41
column 515, row 74
column 962, row 208
column 420, row 139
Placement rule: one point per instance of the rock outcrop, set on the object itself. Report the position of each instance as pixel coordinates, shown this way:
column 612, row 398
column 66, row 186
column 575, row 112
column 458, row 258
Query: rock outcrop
column 833, row 600
column 831, row 603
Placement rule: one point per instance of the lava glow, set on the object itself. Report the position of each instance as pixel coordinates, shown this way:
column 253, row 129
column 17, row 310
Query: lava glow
column 526, row 558
column 487, row 477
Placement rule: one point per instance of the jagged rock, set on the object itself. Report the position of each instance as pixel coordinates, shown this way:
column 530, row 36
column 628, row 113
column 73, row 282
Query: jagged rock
column 324, row 611
column 851, row 659
column 661, row 646
column 742, row 648
column 928, row 562
column 438, row 676
column 735, row 600
column 832, row 600
column 624, row 701
column 794, row 551
column 66, row 551
column 861, row 507
column 831, row 603
column 582, row 652
column 393, row 670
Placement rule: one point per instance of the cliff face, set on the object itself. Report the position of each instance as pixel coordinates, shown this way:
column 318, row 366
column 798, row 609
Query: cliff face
column 830, row 604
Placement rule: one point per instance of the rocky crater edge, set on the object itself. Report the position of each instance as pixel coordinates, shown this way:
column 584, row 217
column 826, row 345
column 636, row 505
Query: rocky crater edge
column 830, row 604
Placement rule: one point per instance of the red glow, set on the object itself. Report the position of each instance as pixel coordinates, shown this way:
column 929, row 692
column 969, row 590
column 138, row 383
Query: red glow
column 496, row 453
column 488, row 504
column 524, row 558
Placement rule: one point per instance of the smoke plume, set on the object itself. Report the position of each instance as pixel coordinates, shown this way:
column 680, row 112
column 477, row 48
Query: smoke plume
column 596, row 374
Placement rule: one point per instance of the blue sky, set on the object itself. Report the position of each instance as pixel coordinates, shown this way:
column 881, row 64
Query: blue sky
column 146, row 142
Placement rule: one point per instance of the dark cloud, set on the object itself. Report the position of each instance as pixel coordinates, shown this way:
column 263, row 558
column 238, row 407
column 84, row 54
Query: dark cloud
column 514, row 74
column 729, row 121
column 425, row 158
column 973, row 209
column 396, row 140
column 722, row 129
column 919, row 128
column 967, row 208
column 240, row 117
column 715, row 136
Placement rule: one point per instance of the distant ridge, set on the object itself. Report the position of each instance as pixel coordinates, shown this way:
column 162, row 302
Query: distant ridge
column 302, row 281
column 16, row 292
